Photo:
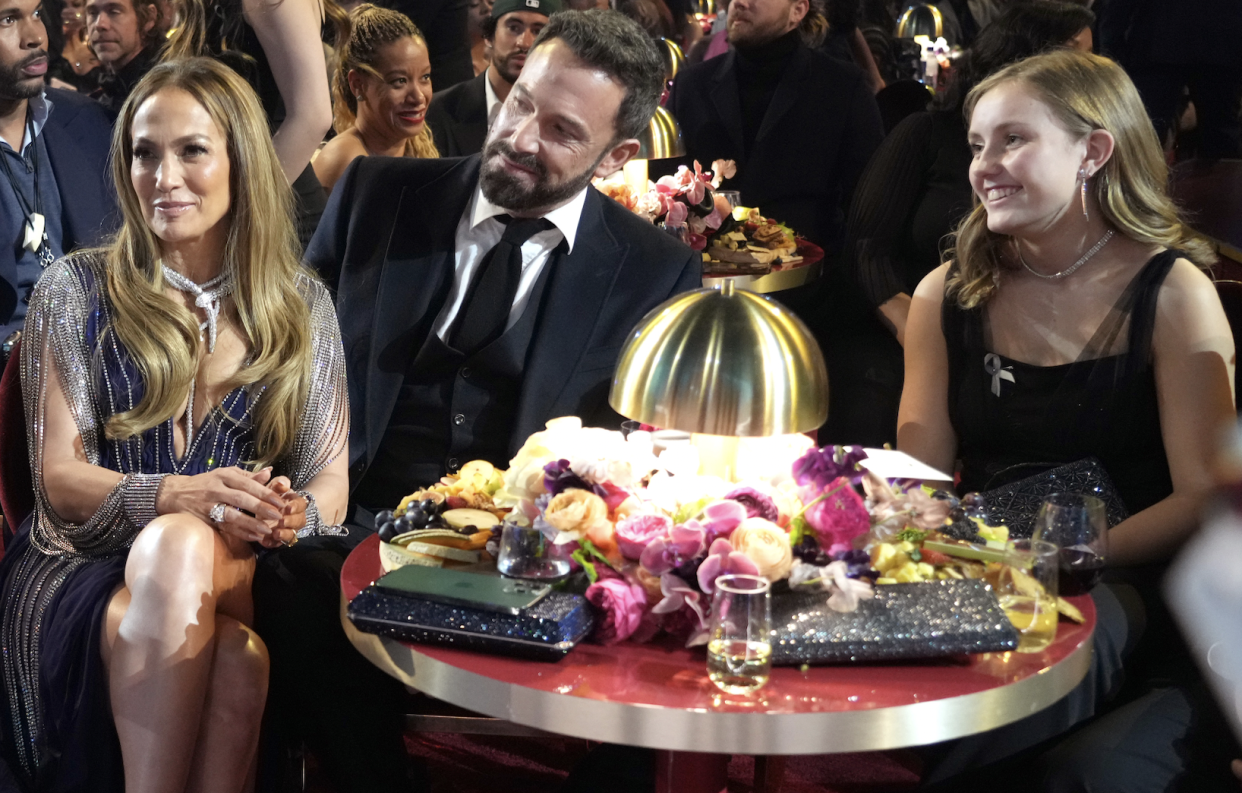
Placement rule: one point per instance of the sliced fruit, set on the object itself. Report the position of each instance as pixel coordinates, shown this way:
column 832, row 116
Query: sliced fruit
column 462, row 517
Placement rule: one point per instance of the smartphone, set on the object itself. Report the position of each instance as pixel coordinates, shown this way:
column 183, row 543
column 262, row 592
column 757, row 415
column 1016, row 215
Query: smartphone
column 459, row 588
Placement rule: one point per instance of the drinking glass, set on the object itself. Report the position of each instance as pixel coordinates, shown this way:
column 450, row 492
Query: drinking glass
column 1078, row 525
column 1027, row 591
column 525, row 552
column 739, row 650
column 732, row 196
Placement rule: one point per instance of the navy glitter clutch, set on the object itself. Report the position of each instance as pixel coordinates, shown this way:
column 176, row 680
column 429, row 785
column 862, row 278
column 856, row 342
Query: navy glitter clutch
column 1017, row 504
column 902, row 622
column 546, row 631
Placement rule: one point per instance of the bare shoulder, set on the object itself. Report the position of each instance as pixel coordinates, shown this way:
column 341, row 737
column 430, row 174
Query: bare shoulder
column 335, row 157
column 1188, row 309
column 932, row 285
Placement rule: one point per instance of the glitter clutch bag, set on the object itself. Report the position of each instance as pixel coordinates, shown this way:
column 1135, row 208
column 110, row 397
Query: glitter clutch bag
column 902, row 622
column 1017, row 504
column 545, row 631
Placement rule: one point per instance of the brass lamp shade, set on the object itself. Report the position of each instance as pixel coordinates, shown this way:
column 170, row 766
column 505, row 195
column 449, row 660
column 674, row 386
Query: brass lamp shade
column 722, row 362
column 662, row 138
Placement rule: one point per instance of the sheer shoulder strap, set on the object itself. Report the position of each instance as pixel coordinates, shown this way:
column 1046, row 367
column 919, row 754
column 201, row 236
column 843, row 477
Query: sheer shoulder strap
column 56, row 348
column 1132, row 317
column 324, row 431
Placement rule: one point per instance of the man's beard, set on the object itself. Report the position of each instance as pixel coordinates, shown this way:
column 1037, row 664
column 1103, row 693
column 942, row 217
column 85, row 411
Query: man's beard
column 507, row 73
column 15, row 85
column 508, row 192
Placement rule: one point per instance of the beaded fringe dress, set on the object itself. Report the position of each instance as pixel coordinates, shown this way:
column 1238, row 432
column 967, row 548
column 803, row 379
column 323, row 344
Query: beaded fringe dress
column 57, row 575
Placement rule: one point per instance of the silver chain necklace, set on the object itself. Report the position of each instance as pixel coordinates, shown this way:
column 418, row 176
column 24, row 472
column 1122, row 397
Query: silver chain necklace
column 1108, row 235
column 209, row 297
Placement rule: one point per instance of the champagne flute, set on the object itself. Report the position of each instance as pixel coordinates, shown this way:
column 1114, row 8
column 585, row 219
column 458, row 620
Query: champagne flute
column 739, row 650
column 1078, row 525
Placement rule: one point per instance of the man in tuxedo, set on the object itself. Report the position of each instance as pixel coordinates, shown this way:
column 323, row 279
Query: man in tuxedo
column 460, row 116
column 54, row 196
column 800, row 125
column 478, row 297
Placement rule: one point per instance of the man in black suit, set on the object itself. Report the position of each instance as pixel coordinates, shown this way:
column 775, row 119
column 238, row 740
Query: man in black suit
column 54, row 152
column 800, row 125
column 478, row 297
column 460, row 116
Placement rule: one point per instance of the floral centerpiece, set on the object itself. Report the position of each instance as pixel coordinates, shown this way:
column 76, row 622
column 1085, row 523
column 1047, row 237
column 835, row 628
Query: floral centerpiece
column 685, row 204
column 652, row 535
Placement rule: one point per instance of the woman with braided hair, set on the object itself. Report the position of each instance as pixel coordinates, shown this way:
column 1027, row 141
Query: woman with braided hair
column 382, row 88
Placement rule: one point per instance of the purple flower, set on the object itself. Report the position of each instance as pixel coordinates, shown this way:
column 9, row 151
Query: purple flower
column 721, row 560
column 558, row 477
column 820, row 467
column 638, row 531
column 857, row 564
column 678, row 595
column 758, row 505
column 722, row 517
column 621, row 606
column 683, row 543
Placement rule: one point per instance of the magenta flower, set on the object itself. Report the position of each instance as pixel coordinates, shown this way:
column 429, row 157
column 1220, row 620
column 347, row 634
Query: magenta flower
column 621, row 606
column 758, row 505
column 839, row 517
column 721, row 560
column 636, row 532
column 683, row 543
column 678, row 594
column 722, row 517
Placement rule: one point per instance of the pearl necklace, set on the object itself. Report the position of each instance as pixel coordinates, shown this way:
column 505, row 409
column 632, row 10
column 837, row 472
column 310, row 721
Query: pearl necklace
column 209, row 297
column 1108, row 235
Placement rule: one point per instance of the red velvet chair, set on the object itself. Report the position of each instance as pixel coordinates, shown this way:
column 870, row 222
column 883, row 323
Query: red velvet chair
column 16, row 485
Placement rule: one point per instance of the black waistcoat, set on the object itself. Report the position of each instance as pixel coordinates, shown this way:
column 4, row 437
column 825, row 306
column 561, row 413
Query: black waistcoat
column 452, row 409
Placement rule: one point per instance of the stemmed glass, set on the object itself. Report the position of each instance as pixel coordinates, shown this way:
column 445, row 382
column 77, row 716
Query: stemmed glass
column 1078, row 525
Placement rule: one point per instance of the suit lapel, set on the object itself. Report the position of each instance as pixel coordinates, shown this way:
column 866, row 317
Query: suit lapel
column 579, row 286
column 787, row 92
column 724, row 94
column 471, row 133
column 419, row 262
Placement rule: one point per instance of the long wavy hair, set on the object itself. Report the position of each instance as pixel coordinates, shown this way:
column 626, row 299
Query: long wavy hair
column 189, row 40
column 160, row 334
column 371, row 28
column 1085, row 93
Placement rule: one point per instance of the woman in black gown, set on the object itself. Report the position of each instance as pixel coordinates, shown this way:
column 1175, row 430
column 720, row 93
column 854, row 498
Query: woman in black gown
column 1076, row 319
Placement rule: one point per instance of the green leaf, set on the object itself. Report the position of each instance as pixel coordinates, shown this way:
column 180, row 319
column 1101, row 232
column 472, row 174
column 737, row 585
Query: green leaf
column 580, row 556
column 690, row 510
column 797, row 529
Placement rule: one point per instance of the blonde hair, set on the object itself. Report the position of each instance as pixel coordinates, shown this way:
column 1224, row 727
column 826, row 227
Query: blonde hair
column 371, row 28
column 160, row 334
column 1084, row 92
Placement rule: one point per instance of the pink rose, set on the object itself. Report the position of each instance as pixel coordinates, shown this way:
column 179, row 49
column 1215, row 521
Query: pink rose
column 839, row 517
column 637, row 531
column 620, row 607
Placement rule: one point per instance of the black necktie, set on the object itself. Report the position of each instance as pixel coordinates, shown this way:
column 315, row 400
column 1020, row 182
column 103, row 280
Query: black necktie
column 485, row 311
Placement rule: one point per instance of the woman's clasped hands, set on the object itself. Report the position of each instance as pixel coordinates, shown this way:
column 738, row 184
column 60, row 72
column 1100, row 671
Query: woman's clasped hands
column 251, row 506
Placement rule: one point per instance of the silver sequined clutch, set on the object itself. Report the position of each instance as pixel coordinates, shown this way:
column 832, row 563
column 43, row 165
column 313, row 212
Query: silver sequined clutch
column 902, row 621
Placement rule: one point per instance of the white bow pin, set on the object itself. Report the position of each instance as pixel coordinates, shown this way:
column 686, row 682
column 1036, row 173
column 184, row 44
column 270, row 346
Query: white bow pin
column 992, row 365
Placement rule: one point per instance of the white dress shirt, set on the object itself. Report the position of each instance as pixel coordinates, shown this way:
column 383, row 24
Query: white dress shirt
column 493, row 101
column 478, row 231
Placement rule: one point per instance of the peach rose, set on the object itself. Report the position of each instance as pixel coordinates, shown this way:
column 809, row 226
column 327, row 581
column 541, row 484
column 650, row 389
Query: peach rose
column 577, row 512
column 765, row 544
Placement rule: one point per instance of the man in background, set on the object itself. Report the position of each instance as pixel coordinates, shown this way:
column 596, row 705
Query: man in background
column 461, row 116
column 123, row 35
column 54, row 195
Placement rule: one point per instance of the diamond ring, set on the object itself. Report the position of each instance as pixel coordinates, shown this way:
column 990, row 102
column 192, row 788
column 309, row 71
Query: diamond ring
column 217, row 513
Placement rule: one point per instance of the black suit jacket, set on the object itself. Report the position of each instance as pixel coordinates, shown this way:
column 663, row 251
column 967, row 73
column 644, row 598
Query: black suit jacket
column 77, row 135
column 458, row 118
column 820, row 130
column 387, row 241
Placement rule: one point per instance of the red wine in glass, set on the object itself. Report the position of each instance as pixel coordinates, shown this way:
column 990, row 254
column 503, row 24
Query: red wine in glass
column 1081, row 569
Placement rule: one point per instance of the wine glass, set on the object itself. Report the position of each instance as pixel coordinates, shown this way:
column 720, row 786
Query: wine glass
column 1027, row 590
column 1078, row 525
column 739, row 649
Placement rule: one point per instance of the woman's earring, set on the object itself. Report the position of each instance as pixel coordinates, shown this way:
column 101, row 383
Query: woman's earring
column 358, row 97
column 1082, row 174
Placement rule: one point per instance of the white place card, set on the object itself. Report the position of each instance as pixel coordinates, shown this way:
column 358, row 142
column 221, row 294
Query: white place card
column 892, row 464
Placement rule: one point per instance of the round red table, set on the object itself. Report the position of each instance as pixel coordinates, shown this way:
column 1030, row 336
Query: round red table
column 658, row 695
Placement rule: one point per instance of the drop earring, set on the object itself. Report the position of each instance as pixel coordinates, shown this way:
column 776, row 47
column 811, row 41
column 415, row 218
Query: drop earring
column 1082, row 174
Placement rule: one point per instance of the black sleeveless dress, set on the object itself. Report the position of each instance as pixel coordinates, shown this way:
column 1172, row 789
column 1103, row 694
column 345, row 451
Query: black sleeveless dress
column 1014, row 420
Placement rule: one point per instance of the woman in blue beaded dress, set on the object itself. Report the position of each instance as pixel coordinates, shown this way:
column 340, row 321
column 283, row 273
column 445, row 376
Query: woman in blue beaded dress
column 186, row 403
